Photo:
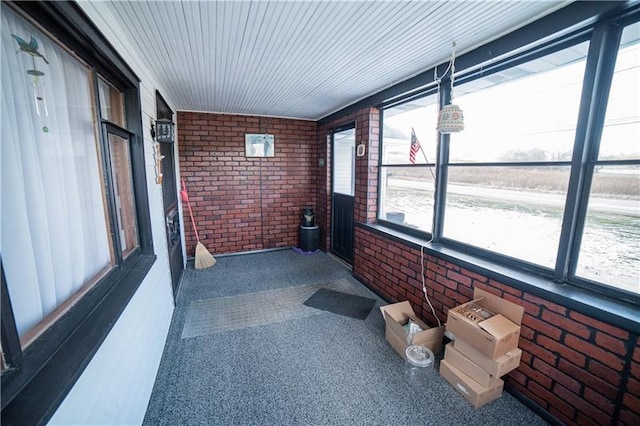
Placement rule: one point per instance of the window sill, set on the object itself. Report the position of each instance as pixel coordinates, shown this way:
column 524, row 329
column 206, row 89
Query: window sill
column 32, row 394
column 619, row 313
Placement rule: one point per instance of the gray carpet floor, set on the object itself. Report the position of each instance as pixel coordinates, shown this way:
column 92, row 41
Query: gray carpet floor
column 321, row 369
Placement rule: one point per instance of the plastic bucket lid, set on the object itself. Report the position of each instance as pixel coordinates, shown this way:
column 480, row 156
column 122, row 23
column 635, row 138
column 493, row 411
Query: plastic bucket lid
column 419, row 356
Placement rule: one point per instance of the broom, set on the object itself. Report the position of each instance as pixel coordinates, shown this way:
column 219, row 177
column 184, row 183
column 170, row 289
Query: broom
column 204, row 259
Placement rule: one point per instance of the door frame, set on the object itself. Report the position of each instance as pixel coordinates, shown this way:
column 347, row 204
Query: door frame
column 332, row 133
column 164, row 111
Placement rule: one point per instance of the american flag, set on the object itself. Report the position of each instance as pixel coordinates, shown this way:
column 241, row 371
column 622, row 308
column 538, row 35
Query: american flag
column 415, row 147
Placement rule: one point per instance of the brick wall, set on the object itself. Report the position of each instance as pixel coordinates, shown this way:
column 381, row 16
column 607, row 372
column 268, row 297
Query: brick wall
column 239, row 203
column 580, row 370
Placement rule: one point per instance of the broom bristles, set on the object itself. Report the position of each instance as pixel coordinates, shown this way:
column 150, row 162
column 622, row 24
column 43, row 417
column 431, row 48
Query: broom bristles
column 204, row 259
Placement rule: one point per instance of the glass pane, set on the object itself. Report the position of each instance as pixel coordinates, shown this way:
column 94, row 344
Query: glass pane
column 610, row 248
column 514, row 211
column 621, row 133
column 344, row 145
column 111, row 103
column 123, row 191
column 55, row 238
column 420, row 115
column 525, row 113
column 406, row 196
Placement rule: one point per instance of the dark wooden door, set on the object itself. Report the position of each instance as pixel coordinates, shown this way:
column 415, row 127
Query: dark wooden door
column 170, row 201
column 343, row 186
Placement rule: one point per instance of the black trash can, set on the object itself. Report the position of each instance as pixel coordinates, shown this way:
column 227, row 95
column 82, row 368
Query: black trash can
column 309, row 238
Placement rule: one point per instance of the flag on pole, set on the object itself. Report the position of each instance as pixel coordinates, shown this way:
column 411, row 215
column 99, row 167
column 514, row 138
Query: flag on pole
column 415, row 147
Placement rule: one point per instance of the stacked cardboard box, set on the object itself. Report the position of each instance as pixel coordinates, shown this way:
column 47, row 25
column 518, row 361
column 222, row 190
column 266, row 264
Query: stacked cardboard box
column 485, row 348
column 396, row 317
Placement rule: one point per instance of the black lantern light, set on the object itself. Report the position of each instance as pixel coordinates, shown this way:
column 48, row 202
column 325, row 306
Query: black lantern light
column 164, row 131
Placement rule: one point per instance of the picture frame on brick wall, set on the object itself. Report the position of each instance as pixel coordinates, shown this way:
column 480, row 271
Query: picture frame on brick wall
column 259, row 145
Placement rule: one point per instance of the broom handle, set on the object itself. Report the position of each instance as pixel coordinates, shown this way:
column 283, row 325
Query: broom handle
column 193, row 222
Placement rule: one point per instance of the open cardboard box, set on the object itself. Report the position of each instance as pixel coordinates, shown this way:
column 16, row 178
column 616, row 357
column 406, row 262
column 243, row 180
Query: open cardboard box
column 493, row 336
column 396, row 316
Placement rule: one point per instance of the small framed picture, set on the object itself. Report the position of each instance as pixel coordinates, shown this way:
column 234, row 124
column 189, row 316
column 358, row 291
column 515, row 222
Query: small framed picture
column 259, row 145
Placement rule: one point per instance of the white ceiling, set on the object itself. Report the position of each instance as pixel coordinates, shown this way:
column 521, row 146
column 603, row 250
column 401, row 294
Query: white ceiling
column 304, row 59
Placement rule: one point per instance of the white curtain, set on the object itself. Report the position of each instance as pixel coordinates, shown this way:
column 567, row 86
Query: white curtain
column 54, row 235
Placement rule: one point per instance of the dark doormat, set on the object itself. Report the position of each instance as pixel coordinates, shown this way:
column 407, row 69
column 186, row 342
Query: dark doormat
column 341, row 303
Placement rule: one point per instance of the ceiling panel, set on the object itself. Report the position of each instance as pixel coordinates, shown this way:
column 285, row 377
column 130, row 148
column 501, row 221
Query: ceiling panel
column 304, row 59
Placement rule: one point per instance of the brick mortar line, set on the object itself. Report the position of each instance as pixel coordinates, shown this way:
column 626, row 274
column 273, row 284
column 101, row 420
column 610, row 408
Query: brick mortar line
column 632, row 342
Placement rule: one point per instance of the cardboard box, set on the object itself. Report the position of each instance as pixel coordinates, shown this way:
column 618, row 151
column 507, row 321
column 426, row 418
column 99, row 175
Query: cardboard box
column 468, row 367
column 471, row 390
column 396, row 316
column 494, row 336
column 496, row 367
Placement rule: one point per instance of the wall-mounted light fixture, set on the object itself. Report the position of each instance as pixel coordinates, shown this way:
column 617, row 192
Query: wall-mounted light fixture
column 164, row 131
column 450, row 118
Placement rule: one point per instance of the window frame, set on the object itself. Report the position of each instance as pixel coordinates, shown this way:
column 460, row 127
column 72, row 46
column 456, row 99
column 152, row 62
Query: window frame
column 430, row 91
column 38, row 377
column 603, row 33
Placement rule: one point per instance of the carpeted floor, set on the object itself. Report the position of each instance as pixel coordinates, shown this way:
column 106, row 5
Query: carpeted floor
column 320, row 369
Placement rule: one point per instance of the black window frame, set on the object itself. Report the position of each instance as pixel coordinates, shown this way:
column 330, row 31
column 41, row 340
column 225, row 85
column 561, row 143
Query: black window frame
column 602, row 29
column 38, row 377
column 433, row 165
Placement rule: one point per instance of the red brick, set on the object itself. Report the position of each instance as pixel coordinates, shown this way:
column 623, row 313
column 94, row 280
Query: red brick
column 629, row 418
column 536, row 375
column 607, row 374
column 600, row 401
column 542, row 327
column 557, row 376
column 446, row 282
column 518, row 376
column 585, row 420
column 530, row 308
column 455, row 295
column 633, row 387
column 588, row 379
column 562, row 350
column 631, row 402
column 542, row 302
column 589, row 349
column 459, row 278
column 550, row 399
column 526, row 333
column 538, row 351
column 582, row 405
column 610, row 343
column 560, row 416
column 568, row 324
column 474, row 276
column 607, row 328
column 489, row 289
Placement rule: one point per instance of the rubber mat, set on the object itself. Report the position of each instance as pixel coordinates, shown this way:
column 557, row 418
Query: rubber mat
column 341, row 303
column 210, row 316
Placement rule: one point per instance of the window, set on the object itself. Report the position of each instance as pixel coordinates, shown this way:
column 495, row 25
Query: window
column 613, row 213
column 545, row 177
column 55, row 229
column 111, row 103
column 75, row 231
column 407, row 169
column 122, row 183
column 509, row 169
